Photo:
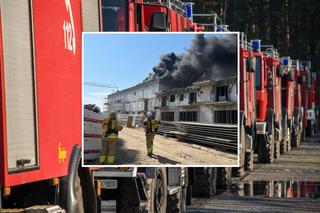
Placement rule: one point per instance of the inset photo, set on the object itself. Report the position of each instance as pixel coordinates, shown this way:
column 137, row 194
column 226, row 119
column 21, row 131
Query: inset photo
column 160, row 99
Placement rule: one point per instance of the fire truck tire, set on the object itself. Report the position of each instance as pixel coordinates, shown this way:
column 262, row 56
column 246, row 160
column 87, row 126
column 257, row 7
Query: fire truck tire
column 205, row 184
column 242, row 149
column 265, row 149
column 248, row 163
column 88, row 190
column 283, row 146
column 158, row 192
column 79, row 207
column 224, row 178
column 189, row 195
column 277, row 147
column 73, row 187
column 294, row 138
column 288, row 147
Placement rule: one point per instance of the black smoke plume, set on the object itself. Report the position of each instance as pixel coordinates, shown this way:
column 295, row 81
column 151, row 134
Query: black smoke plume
column 210, row 57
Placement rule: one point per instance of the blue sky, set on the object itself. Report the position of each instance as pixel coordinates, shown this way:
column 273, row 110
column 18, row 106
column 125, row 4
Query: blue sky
column 124, row 60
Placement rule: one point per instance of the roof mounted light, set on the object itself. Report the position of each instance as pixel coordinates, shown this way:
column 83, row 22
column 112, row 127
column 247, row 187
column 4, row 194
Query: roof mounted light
column 256, row 45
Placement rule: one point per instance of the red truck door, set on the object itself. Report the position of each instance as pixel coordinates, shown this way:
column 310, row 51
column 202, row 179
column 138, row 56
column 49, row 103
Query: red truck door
column 19, row 99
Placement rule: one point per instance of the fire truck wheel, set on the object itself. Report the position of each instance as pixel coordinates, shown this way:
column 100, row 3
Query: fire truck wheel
column 288, row 149
column 242, row 149
column 158, row 192
column 283, row 146
column 294, row 138
column 88, row 190
column 224, row 178
column 205, row 182
column 277, row 149
column 248, row 163
column 189, row 195
column 78, row 195
column 265, row 149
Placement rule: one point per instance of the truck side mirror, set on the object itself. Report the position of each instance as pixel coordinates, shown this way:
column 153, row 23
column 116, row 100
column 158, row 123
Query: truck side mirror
column 158, row 21
column 251, row 64
column 300, row 79
column 278, row 71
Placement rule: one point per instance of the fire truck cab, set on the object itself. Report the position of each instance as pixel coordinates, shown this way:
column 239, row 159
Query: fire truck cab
column 268, row 102
column 287, row 98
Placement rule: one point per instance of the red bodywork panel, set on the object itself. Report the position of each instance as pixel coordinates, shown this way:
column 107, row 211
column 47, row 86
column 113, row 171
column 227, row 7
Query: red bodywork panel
column 58, row 86
column 297, row 94
column 304, row 95
column 274, row 96
column 289, row 105
column 312, row 95
column 261, row 93
column 247, row 90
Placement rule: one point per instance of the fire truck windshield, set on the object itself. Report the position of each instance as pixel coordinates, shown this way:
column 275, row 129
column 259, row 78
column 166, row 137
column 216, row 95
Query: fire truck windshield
column 258, row 73
column 114, row 15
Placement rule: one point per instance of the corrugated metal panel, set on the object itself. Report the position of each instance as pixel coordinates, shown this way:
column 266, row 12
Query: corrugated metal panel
column 19, row 82
column 90, row 15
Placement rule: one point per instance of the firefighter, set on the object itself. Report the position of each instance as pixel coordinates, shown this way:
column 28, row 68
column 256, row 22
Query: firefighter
column 110, row 127
column 150, row 126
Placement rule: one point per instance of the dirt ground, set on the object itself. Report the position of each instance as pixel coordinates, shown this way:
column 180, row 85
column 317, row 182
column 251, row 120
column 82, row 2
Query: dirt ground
column 131, row 149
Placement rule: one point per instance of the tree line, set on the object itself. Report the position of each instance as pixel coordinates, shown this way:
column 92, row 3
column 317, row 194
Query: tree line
column 292, row 26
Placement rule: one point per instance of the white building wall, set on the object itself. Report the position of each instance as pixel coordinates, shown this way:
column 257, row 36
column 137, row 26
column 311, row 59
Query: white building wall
column 206, row 114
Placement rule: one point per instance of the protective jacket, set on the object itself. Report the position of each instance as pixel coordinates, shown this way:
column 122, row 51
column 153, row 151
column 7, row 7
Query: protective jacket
column 151, row 125
column 111, row 128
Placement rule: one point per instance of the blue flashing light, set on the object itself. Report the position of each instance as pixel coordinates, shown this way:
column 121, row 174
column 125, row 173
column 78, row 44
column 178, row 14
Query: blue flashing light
column 256, row 45
column 189, row 10
column 285, row 61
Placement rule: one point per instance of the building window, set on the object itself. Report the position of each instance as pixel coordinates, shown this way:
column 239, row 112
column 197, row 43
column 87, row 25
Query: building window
column 181, row 97
column 172, row 98
column 222, row 93
column 167, row 116
column 226, row 116
column 188, row 116
column 164, row 101
column 192, row 97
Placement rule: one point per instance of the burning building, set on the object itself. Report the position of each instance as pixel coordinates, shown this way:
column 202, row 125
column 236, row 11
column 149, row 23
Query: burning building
column 199, row 85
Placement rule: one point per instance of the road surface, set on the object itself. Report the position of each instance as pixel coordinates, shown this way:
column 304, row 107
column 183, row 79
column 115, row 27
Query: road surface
column 131, row 149
column 236, row 204
column 302, row 163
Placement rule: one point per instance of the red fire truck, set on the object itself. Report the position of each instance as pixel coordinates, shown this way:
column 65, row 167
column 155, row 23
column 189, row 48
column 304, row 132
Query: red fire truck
column 306, row 94
column 298, row 111
column 247, row 105
column 287, row 98
column 268, row 102
column 40, row 94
